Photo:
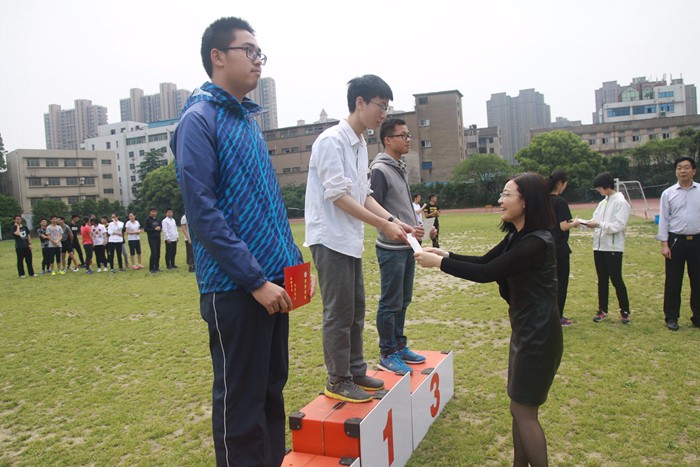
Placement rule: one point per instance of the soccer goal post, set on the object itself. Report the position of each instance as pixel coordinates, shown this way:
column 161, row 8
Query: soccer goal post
column 634, row 194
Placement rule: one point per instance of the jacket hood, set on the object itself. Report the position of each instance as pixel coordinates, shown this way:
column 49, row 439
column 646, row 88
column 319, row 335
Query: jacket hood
column 384, row 158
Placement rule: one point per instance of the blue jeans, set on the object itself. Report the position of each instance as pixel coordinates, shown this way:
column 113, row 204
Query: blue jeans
column 396, row 269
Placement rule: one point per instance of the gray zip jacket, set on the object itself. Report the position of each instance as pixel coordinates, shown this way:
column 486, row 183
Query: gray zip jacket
column 389, row 184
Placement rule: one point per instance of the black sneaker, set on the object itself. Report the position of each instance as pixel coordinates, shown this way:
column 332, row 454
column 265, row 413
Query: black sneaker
column 368, row 383
column 600, row 316
column 625, row 317
column 346, row 390
column 672, row 324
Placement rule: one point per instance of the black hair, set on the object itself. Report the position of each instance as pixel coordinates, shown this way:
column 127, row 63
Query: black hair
column 388, row 125
column 604, row 180
column 534, row 191
column 556, row 177
column 415, row 195
column 17, row 215
column 94, row 221
column 86, row 220
column 52, row 216
column 168, row 209
column 683, row 159
column 73, row 216
column 431, row 195
column 218, row 35
column 367, row 87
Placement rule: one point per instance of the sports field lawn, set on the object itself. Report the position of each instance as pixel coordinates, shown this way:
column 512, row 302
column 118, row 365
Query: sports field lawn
column 114, row 369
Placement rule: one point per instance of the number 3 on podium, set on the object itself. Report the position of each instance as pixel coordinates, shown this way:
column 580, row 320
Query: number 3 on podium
column 435, row 383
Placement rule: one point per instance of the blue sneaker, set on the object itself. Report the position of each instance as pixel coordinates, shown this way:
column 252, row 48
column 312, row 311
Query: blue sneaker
column 410, row 357
column 394, row 364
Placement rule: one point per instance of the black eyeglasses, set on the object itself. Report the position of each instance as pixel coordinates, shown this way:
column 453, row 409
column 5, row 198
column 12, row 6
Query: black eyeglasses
column 251, row 54
column 403, row 136
column 383, row 107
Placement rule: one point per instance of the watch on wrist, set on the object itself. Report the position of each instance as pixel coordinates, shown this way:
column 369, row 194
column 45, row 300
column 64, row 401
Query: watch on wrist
column 391, row 219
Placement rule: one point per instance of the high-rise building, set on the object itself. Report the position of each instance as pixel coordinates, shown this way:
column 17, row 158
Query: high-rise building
column 516, row 116
column 265, row 95
column 644, row 99
column 67, row 129
column 165, row 105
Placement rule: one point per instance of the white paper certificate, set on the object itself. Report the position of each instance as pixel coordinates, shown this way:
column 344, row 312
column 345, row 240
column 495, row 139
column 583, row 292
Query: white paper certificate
column 414, row 243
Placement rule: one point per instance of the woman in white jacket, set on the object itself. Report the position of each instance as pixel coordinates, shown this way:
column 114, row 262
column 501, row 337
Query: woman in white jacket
column 610, row 222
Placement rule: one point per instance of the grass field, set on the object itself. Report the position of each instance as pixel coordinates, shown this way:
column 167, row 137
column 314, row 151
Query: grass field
column 114, row 369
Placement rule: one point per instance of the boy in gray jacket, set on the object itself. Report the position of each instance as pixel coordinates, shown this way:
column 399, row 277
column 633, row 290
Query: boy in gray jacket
column 390, row 189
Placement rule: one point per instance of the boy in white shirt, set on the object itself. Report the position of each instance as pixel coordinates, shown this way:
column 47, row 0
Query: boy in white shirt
column 171, row 238
column 115, row 230
column 338, row 203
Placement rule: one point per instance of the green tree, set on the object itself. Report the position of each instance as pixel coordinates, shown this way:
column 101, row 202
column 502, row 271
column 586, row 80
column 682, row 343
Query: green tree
column 46, row 208
column 159, row 189
column 151, row 161
column 652, row 163
column 293, row 197
column 563, row 150
column 690, row 139
column 84, row 208
column 9, row 208
column 486, row 172
column 3, row 163
column 618, row 165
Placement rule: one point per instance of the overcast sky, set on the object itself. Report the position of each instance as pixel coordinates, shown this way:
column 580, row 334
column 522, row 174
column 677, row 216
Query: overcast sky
column 53, row 52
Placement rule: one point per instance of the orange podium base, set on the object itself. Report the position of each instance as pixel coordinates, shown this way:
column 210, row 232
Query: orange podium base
column 300, row 459
column 382, row 432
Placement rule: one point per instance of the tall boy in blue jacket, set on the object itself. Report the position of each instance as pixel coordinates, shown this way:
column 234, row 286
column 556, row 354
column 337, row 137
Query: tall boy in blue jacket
column 242, row 242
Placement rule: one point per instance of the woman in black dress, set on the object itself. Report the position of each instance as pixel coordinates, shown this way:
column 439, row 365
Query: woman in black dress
column 524, row 265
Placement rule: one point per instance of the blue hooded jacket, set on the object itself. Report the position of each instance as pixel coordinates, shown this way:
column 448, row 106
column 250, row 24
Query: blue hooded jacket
column 240, row 232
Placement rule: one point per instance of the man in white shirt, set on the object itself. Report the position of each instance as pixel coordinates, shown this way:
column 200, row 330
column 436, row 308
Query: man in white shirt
column 188, row 243
column 115, row 230
column 679, row 234
column 171, row 238
column 338, row 203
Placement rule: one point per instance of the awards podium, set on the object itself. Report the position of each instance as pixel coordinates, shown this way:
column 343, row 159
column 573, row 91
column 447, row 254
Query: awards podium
column 382, row 432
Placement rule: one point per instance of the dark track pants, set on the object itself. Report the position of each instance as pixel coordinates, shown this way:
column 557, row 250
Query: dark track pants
column 250, row 359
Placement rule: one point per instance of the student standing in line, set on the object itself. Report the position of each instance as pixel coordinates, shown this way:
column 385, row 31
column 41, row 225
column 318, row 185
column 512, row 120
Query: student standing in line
column 88, row 243
column 23, row 247
column 171, row 238
column 55, row 234
column 44, row 239
column 115, row 230
column 99, row 234
column 133, row 230
column 153, row 227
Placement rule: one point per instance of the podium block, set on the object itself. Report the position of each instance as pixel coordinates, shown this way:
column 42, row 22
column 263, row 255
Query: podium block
column 432, row 386
column 379, row 432
column 300, row 459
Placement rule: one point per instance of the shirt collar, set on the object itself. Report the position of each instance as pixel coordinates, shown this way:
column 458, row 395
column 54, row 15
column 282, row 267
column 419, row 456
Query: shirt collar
column 351, row 135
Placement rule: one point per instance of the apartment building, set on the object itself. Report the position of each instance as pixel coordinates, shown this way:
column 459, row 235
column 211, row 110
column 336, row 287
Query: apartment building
column 516, row 117
column 614, row 138
column 70, row 176
column 66, row 129
column 483, row 140
column 164, row 105
column 265, row 95
column 644, row 99
column 130, row 141
column 436, row 148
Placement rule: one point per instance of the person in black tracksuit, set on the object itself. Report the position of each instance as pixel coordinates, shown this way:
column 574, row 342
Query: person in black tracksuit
column 152, row 226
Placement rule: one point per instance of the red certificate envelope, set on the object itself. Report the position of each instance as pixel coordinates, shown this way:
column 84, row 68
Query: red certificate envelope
column 297, row 283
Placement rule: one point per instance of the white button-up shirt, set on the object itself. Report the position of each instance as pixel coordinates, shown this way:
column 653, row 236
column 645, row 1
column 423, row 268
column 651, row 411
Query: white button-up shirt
column 170, row 229
column 679, row 211
column 338, row 166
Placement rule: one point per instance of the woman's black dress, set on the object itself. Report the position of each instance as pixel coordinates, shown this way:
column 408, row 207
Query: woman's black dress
column 524, row 265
